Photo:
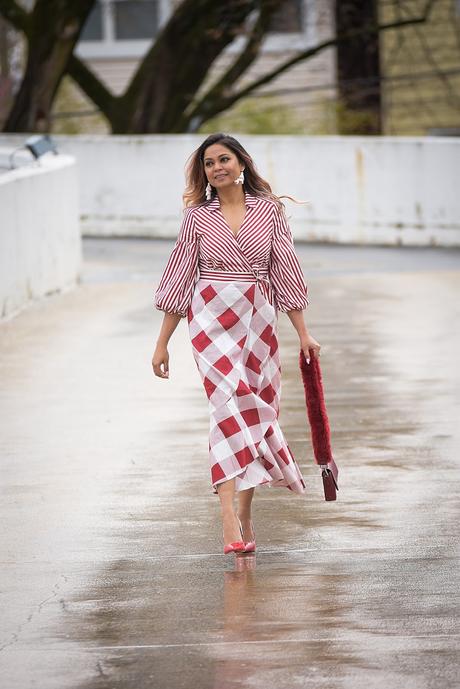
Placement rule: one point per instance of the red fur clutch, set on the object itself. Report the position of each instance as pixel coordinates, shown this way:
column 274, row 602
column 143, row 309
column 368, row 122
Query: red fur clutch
column 319, row 424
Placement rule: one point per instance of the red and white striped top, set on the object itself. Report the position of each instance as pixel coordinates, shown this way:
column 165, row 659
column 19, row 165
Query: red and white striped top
column 262, row 251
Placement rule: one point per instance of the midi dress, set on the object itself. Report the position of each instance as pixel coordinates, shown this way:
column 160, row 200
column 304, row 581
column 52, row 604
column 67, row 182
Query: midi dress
column 230, row 288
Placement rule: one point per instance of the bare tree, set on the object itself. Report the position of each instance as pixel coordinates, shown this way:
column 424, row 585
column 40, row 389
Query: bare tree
column 53, row 29
column 166, row 93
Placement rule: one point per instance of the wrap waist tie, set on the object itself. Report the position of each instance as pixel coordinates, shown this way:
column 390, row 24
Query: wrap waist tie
column 260, row 277
column 232, row 275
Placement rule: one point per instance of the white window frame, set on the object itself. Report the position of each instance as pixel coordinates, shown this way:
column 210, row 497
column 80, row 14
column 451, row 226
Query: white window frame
column 109, row 48
column 292, row 41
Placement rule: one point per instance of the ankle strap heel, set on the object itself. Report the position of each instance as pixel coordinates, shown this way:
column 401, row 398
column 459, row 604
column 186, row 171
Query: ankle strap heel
column 249, row 546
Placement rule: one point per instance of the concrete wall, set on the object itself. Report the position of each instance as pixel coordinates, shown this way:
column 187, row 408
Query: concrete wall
column 40, row 243
column 378, row 190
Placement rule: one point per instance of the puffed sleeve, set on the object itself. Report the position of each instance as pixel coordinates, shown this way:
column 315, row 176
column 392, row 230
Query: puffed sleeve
column 175, row 289
column 285, row 273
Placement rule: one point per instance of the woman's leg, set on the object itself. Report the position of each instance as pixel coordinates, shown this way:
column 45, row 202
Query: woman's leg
column 226, row 492
column 244, row 512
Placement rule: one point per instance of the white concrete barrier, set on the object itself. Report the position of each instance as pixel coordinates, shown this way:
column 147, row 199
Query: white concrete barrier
column 40, row 242
column 373, row 190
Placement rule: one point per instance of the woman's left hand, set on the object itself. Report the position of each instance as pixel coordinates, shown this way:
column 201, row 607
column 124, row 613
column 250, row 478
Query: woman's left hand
column 308, row 343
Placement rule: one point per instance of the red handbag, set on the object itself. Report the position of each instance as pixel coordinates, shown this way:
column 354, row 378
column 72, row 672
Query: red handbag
column 319, row 424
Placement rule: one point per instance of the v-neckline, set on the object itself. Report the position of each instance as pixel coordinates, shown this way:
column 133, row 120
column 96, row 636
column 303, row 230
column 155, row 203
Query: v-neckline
column 235, row 236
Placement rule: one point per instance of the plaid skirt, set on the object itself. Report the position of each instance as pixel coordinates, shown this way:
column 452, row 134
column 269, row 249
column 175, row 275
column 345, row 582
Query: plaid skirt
column 233, row 330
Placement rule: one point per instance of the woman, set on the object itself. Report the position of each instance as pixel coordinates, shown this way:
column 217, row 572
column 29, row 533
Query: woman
column 232, row 269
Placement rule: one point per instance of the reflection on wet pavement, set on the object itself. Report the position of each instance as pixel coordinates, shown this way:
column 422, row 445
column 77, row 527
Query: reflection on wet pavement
column 112, row 562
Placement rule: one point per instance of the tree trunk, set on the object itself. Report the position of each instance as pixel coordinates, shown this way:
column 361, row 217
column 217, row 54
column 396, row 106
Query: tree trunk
column 358, row 68
column 175, row 67
column 55, row 27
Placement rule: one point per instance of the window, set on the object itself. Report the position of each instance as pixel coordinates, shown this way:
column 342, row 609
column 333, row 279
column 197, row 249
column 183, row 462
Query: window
column 135, row 19
column 121, row 20
column 92, row 30
column 117, row 29
column 288, row 18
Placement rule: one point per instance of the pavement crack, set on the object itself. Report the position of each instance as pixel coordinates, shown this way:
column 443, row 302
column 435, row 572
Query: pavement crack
column 36, row 610
column 100, row 669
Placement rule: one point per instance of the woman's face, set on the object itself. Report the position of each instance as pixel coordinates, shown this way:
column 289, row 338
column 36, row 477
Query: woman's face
column 221, row 166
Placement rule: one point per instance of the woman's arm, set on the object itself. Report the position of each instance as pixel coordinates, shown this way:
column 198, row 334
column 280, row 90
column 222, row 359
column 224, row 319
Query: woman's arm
column 160, row 359
column 307, row 342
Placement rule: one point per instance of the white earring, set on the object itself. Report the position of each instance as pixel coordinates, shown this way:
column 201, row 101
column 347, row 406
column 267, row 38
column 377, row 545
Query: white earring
column 208, row 192
column 240, row 179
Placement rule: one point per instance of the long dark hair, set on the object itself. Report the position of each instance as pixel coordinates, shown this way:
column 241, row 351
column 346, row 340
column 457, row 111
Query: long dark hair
column 196, row 181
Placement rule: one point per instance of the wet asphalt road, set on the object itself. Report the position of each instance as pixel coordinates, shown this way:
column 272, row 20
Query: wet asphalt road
column 112, row 573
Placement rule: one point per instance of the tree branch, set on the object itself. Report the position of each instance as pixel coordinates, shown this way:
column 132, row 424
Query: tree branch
column 77, row 69
column 15, row 15
column 439, row 72
column 204, row 108
column 91, row 86
column 227, row 101
column 168, row 77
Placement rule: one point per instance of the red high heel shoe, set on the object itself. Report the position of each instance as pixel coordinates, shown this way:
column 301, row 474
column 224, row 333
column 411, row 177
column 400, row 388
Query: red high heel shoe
column 234, row 547
column 249, row 546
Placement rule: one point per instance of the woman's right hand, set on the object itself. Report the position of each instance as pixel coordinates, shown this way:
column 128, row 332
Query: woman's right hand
column 160, row 361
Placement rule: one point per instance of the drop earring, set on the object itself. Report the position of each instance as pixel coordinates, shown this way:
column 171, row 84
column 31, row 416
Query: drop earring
column 208, row 192
column 240, row 179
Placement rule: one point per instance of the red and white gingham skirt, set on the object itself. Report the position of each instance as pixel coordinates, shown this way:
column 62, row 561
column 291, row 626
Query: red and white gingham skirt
column 233, row 330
